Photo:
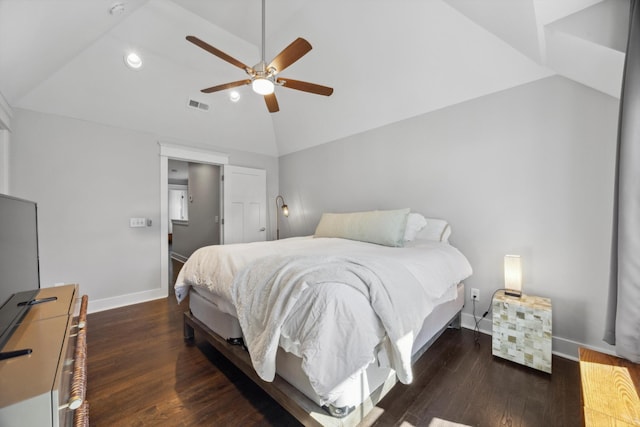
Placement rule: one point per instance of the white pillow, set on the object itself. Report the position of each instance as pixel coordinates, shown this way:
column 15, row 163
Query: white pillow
column 381, row 227
column 437, row 230
column 415, row 223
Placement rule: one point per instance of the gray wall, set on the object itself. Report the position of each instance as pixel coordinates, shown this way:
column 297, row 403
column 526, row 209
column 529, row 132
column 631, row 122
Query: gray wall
column 204, row 204
column 528, row 171
column 88, row 180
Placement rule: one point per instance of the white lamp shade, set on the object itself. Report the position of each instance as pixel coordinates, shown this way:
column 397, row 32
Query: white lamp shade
column 262, row 86
column 513, row 272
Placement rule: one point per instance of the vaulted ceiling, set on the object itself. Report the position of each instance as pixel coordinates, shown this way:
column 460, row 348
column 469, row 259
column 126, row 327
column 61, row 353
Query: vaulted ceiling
column 386, row 59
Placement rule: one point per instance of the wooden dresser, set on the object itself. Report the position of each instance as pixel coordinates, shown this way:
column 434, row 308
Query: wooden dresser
column 47, row 387
column 610, row 388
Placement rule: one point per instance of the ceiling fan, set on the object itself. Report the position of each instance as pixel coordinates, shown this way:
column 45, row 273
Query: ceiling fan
column 264, row 77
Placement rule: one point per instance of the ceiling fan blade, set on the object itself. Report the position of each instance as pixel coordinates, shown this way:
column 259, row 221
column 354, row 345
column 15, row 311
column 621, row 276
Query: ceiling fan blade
column 272, row 103
column 226, row 86
column 290, row 54
column 217, row 52
column 306, row 86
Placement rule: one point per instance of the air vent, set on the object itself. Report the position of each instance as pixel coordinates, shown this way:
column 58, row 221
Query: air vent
column 197, row 105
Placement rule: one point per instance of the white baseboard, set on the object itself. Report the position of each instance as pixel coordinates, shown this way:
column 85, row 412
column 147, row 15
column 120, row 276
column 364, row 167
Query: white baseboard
column 128, row 299
column 562, row 347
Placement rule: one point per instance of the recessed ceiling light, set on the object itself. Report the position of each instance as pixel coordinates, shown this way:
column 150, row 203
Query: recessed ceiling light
column 133, row 61
column 234, row 96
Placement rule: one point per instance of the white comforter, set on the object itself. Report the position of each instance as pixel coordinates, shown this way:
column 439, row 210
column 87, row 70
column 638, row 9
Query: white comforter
column 328, row 301
column 214, row 267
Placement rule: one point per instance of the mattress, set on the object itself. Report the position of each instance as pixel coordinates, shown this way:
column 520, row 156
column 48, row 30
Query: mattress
column 213, row 311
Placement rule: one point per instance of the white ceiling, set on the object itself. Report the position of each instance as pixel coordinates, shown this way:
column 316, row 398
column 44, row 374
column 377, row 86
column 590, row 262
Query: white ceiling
column 386, row 59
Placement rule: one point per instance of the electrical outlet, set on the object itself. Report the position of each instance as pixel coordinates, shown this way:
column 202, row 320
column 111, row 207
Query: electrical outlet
column 475, row 294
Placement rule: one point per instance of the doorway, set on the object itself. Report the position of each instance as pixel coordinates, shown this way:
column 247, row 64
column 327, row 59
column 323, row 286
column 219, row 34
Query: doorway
column 186, row 154
column 194, row 211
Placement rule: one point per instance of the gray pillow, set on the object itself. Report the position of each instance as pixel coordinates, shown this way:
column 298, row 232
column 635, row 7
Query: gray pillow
column 381, row 227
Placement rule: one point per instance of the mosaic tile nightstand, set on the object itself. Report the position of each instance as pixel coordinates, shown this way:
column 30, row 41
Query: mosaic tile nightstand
column 522, row 330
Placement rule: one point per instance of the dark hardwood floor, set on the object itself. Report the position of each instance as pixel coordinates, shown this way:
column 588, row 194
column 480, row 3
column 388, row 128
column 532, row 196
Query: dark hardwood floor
column 141, row 373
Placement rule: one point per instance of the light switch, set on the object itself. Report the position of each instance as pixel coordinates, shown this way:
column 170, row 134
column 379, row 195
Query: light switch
column 137, row 222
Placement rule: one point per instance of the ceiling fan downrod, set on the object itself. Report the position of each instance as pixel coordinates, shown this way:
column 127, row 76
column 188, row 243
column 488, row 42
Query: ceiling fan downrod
column 263, row 32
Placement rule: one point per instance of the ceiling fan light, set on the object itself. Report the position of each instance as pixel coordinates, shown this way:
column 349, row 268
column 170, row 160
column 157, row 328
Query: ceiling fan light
column 262, row 86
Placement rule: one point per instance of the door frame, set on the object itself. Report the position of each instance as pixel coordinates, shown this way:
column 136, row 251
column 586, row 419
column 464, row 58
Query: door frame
column 178, row 152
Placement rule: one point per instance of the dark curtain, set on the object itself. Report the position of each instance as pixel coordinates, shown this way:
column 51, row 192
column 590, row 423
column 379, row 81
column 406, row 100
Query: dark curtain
column 623, row 310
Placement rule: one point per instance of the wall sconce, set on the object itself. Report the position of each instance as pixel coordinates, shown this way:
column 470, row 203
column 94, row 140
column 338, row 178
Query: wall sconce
column 513, row 275
column 285, row 212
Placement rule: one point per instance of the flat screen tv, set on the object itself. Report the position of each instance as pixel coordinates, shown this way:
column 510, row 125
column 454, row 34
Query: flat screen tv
column 19, row 263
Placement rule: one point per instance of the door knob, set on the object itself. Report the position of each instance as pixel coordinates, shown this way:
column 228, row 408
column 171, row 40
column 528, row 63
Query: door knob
column 262, row 229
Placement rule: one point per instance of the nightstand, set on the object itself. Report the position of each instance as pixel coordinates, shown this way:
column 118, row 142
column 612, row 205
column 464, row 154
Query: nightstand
column 522, row 330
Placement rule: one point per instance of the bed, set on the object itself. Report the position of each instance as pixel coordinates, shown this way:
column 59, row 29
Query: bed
column 330, row 321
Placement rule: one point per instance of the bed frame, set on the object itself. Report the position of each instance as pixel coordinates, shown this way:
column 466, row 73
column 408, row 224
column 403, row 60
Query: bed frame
column 296, row 402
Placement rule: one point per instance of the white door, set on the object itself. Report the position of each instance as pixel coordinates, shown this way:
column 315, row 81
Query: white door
column 245, row 204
